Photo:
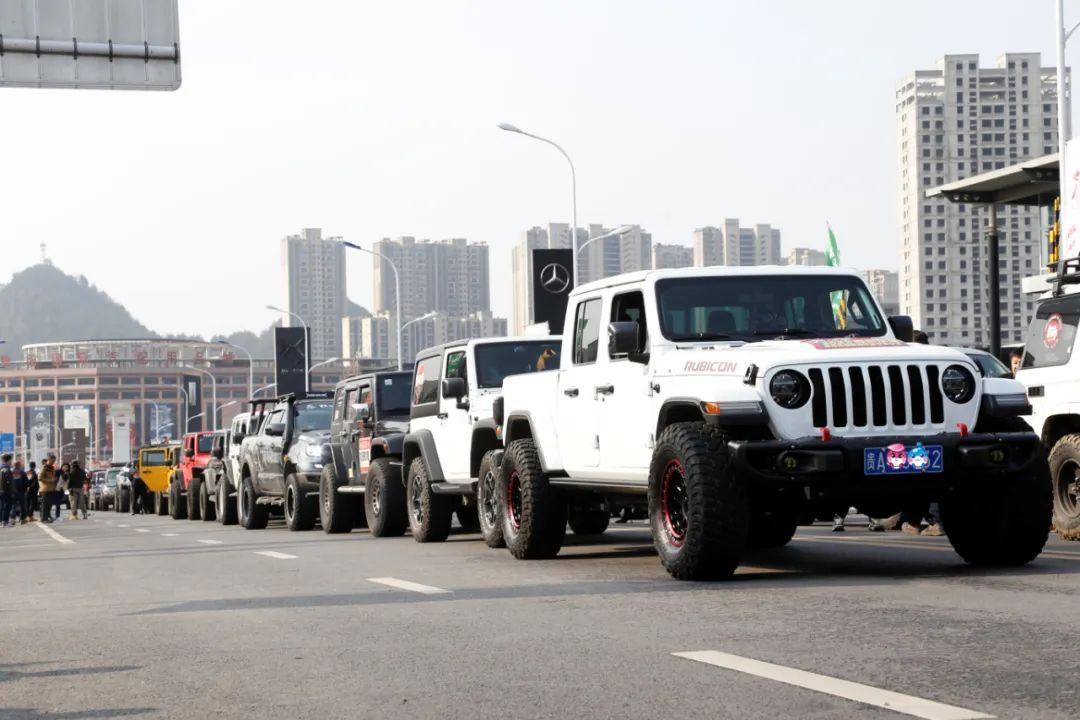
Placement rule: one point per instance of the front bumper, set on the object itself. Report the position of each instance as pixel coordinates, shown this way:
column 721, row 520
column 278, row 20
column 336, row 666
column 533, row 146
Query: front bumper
column 811, row 461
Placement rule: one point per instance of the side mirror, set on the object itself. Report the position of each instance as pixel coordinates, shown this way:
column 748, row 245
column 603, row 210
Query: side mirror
column 454, row 388
column 218, row 453
column 902, row 328
column 189, row 453
column 237, row 438
column 624, row 339
column 363, row 411
column 275, row 430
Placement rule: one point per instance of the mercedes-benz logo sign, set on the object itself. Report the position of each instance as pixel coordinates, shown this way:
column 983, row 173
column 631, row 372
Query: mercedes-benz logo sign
column 555, row 278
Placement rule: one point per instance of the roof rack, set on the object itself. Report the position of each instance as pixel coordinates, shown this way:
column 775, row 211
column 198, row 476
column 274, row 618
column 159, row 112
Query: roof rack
column 1068, row 274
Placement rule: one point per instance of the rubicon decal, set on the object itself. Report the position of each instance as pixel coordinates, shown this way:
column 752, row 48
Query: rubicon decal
column 711, row 366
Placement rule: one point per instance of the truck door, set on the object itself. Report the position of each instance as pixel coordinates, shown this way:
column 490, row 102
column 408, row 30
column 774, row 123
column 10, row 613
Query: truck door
column 340, row 432
column 454, row 439
column 625, row 394
column 269, row 453
column 576, row 404
column 360, row 429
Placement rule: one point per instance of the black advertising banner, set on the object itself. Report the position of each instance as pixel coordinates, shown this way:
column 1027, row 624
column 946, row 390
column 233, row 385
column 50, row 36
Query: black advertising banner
column 552, row 281
column 290, row 360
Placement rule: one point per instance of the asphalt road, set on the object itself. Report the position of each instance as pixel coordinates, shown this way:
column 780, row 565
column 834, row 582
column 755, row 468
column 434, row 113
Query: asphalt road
column 146, row 617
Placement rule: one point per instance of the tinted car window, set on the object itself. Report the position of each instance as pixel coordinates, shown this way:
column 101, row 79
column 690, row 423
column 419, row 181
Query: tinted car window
column 586, row 332
column 206, row 442
column 426, row 380
column 392, row 396
column 1052, row 332
column 154, row 458
column 497, row 360
column 309, row 416
column 989, row 366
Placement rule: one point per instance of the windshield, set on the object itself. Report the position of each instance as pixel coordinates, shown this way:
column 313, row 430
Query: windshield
column 153, row 458
column 205, row 444
column 497, row 360
column 110, row 477
column 393, row 394
column 990, row 366
column 309, row 416
column 762, row 307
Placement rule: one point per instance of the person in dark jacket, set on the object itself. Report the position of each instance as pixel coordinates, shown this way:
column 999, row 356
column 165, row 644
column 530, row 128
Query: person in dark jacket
column 18, row 509
column 77, row 490
column 138, row 495
column 32, row 490
column 7, row 489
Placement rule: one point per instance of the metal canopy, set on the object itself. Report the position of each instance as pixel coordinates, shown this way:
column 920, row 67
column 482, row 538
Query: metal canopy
column 1032, row 182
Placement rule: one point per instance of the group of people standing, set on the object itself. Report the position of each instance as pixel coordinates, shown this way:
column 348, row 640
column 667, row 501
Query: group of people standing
column 26, row 490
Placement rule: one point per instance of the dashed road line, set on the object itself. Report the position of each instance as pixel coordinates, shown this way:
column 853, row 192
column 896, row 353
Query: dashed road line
column 143, row 530
column 866, row 694
column 411, row 586
column 170, row 534
column 212, row 542
column 55, row 535
column 276, row 555
column 122, row 525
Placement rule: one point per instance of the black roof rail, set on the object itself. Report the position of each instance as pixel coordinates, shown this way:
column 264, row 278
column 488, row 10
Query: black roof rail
column 1068, row 274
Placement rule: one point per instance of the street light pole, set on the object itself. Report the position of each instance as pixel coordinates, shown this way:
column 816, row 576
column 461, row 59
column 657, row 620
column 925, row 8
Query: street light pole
column 307, row 343
column 573, row 186
column 397, row 290
column 605, row 236
column 259, row 390
column 213, row 385
column 251, row 363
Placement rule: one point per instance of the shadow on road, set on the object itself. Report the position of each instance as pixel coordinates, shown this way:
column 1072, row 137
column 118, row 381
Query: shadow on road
column 8, row 675
column 30, row 714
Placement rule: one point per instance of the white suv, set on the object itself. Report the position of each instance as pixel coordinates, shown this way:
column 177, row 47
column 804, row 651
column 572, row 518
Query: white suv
column 449, row 455
column 731, row 401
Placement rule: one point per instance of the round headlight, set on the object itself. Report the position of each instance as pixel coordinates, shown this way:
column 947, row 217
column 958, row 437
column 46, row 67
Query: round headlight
column 789, row 389
column 958, row 384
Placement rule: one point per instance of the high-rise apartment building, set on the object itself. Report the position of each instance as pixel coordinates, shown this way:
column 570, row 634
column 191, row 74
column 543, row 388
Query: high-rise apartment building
column 314, row 275
column 451, row 276
column 955, row 121
column 885, row 286
column 734, row 245
column 380, row 333
column 805, row 256
column 671, row 256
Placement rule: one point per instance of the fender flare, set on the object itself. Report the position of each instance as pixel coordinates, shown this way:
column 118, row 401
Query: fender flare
column 421, row 444
column 485, row 437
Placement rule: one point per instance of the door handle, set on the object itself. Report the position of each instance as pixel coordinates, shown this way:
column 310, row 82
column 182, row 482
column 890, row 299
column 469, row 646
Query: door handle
column 604, row 389
column 442, row 416
column 570, row 392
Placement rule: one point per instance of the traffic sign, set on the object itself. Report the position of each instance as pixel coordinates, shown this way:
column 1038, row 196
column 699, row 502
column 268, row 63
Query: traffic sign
column 102, row 44
column 7, row 442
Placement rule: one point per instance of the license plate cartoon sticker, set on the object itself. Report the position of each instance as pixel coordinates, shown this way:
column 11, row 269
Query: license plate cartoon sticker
column 900, row 459
column 363, row 453
column 1052, row 331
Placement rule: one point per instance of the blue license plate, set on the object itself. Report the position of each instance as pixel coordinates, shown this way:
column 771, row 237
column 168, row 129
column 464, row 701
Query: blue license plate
column 900, row 459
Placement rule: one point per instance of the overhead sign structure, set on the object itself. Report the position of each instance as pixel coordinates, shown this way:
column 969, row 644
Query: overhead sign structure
column 290, row 360
column 552, row 281
column 1069, row 241
column 96, row 44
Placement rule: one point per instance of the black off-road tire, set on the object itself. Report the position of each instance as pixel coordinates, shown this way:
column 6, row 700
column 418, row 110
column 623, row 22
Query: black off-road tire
column 489, row 512
column 772, row 528
column 1000, row 521
column 336, row 511
column 1065, row 477
column 533, row 512
column 207, row 509
column 156, row 503
column 429, row 514
column 384, row 500
column 225, row 507
column 698, row 507
column 589, row 522
column 300, row 509
column 256, row 517
column 120, row 505
column 191, row 499
column 177, row 500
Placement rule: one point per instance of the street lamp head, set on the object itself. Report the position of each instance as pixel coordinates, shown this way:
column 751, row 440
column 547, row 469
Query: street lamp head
column 510, row 128
column 348, row 244
column 275, row 309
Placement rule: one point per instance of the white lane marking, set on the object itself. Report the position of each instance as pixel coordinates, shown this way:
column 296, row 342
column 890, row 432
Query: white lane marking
column 108, row 522
column 906, row 704
column 55, row 535
column 141, row 530
column 212, row 542
column 406, row 585
column 123, row 525
column 276, row 555
column 170, row 534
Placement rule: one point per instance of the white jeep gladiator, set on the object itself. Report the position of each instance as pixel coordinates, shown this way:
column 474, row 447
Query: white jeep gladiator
column 731, row 401
column 1051, row 372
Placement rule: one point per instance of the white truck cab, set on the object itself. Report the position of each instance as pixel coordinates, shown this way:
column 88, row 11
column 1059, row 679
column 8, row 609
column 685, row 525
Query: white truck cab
column 447, row 454
column 728, row 400
column 1050, row 371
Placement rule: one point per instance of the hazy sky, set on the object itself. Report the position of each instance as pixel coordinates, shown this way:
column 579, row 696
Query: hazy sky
column 373, row 119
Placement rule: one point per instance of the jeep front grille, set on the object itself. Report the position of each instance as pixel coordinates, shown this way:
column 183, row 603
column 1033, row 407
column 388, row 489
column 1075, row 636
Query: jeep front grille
column 876, row 396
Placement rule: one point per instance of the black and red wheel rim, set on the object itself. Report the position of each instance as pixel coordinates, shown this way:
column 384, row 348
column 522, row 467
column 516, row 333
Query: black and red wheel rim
column 513, row 500
column 487, row 504
column 674, row 503
column 1067, row 488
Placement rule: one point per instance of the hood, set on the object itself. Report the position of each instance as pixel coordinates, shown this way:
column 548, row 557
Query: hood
column 735, row 358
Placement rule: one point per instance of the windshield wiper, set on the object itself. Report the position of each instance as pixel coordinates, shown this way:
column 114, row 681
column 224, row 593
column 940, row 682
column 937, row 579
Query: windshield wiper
column 700, row 336
column 780, row 333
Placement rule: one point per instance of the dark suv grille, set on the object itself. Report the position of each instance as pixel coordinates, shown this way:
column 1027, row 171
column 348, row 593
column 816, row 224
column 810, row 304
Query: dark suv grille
column 876, row 396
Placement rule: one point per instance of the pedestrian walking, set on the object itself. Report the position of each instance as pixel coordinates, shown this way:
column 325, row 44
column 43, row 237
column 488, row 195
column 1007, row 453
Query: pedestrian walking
column 47, row 487
column 18, row 508
column 7, row 489
column 78, row 490
column 32, row 490
column 61, row 487
column 138, row 495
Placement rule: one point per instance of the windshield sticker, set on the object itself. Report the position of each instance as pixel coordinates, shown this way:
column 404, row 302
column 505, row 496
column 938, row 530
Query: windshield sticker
column 711, row 366
column 849, row 343
column 1052, row 331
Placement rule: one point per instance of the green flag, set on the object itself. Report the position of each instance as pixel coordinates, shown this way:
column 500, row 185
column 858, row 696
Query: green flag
column 832, row 259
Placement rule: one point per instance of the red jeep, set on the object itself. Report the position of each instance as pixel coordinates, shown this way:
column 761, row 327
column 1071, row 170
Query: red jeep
column 186, row 483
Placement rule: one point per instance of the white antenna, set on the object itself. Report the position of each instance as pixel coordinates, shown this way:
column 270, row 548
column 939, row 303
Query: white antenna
column 44, row 255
